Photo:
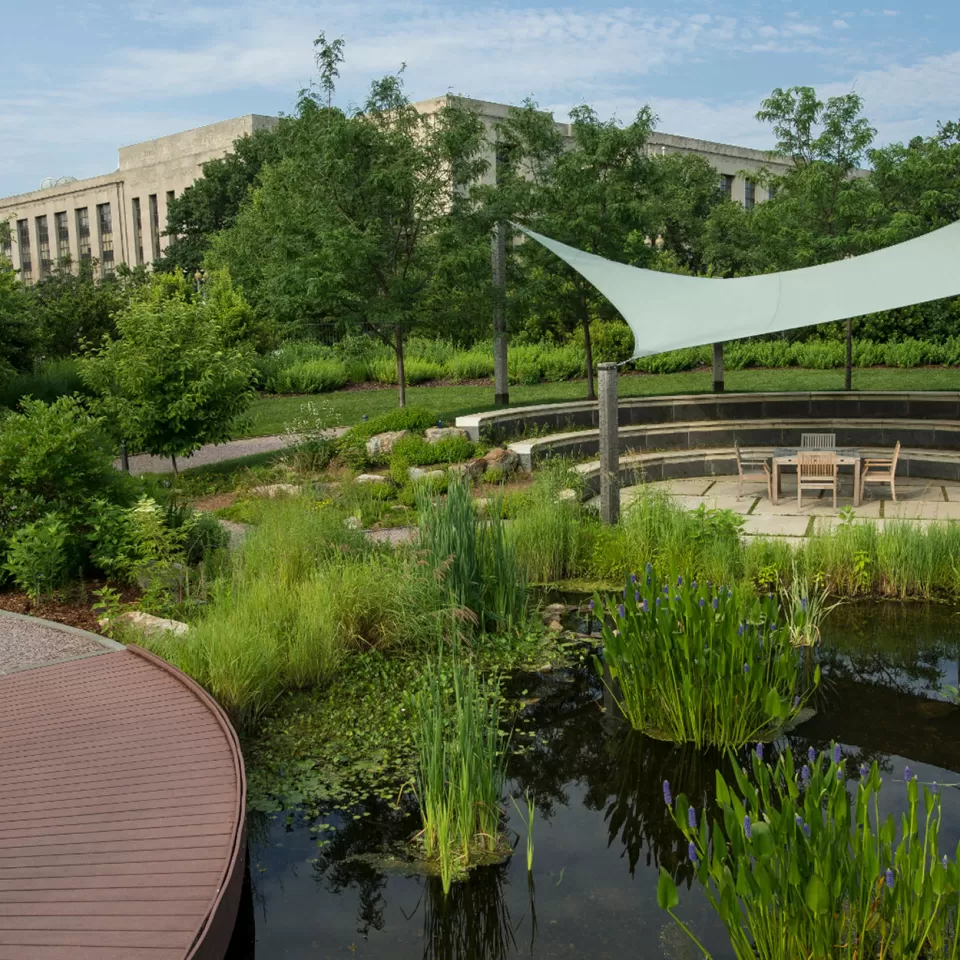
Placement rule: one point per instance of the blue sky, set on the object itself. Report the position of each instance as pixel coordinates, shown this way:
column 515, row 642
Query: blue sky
column 83, row 78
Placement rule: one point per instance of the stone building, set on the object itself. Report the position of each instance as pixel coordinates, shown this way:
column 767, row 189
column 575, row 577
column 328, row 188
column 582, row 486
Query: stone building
column 121, row 216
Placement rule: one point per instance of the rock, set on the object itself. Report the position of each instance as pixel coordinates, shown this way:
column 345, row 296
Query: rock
column 150, row 625
column 353, row 523
column 371, row 478
column 418, row 473
column 554, row 611
column 471, row 469
column 568, row 494
column 505, row 459
column 556, row 626
column 383, row 443
column 237, row 532
column 277, row 489
column 436, row 434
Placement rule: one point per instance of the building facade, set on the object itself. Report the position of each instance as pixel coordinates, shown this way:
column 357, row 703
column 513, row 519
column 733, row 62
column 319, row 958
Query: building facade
column 120, row 217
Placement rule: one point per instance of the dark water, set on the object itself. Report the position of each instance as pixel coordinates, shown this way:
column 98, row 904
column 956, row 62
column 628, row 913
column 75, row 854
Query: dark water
column 601, row 831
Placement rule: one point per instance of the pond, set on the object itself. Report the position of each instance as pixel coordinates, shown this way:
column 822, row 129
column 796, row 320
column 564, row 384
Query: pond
column 601, row 829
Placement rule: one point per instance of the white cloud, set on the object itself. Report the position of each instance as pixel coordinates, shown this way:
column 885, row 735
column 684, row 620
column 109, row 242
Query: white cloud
column 840, row 25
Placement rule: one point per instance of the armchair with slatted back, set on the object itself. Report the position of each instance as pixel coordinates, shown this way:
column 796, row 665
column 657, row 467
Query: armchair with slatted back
column 881, row 470
column 816, row 470
column 752, row 468
column 818, row 441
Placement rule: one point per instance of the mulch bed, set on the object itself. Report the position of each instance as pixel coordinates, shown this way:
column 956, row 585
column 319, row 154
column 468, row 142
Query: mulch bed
column 73, row 607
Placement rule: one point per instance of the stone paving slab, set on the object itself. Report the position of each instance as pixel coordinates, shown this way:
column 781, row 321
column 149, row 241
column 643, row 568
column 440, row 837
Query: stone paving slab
column 914, row 509
column 767, row 526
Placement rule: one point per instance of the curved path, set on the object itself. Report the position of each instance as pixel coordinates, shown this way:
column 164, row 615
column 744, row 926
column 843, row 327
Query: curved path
column 121, row 809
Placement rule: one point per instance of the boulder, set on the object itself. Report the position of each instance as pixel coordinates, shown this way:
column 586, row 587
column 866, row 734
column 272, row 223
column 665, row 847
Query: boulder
column 471, row 469
column 505, row 459
column 353, row 523
column 419, row 473
column 151, row 626
column 371, row 478
column 554, row 611
column 277, row 489
column 382, row 443
column 436, row 434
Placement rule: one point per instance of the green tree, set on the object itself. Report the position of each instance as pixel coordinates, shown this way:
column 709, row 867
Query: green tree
column 350, row 226
column 170, row 381
column 18, row 339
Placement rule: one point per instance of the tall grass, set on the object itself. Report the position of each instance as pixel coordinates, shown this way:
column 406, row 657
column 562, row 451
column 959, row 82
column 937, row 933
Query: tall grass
column 702, row 664
column 50, row 380
column 460, row 764
column 796, row 868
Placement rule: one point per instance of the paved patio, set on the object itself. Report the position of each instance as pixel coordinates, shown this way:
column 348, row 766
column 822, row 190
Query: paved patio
column 920, row 502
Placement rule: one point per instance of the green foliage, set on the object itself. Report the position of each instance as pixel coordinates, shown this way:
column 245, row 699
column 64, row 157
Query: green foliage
column 38, row 555
column 795, row 867
column 170, row 381
column 310, row 376
column 352, row 445
column 47, row 381
column 692, row 663
column 460, row 769
column 414, row 451
column 18, row 336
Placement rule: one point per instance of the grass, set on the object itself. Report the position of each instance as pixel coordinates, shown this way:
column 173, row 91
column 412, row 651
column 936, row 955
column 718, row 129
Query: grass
column 271, row 415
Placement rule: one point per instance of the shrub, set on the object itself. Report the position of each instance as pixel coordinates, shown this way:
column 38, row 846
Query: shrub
column 415, row 370
column 472, row 364
column 417, row 452
column 352, row 445
column 50, row 381
column 312, row 376
column 38, row 556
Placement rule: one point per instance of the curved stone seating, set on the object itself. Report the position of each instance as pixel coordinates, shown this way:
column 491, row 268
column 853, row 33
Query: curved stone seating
column 500, row 425
column 720, row 461
column 705, row 434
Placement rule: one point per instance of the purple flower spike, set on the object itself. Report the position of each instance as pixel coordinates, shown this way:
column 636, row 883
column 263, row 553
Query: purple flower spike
column 837, row 753
column 703, row 602
column 746, row 668
column 716, row 602
column 799, row 820
column 658, row 601
column 796, row 700
column 692, row 854
column 694, row 585
column 636, row 596
column 649, row 568
column 805, row 774
column 747, row 829
column 806, row 830
column 934, row 788
column 803, row 604
column 839, row 774
column 889, row 878
column 679, row 581
column 692, row 818
column 811, row 754
column 907, row 774
column 864, row 771
column 667, row 797
column 621, row 611
column 643, row 605
column 633, row 578
column 666, row 589
column 759, row 751
column 945, row 862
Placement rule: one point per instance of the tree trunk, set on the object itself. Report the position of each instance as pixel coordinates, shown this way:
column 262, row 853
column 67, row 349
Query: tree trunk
column 501, row 389
column 401, row 376
column 173, row 460
column 588, row 348
column 848, row 375
column 718, row 368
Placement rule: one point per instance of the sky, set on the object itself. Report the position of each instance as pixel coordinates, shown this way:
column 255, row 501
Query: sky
column 83, row 78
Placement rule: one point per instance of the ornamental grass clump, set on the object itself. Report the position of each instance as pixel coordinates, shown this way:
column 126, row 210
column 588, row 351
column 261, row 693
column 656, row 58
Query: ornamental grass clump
column 697, row 663
column 460, row 766
column 797, row 867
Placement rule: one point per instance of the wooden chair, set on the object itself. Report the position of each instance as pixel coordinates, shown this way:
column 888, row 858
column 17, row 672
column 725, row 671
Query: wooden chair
column 818, row 441
column 881, row 470
column 752, row 468
column 816, row 471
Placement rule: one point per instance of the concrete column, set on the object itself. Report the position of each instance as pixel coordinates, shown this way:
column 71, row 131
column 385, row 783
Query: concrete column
column 718, row 368
column 609, row 443
column 501, row 389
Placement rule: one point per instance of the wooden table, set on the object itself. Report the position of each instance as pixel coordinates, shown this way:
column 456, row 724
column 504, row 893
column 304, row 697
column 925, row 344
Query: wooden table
column 788, row 457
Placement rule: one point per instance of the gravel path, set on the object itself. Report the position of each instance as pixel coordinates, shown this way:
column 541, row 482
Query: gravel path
column 26, row 642
column 211, row 453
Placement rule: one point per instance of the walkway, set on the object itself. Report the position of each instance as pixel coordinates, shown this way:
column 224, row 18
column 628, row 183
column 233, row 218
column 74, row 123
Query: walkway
column 121, row 807
column 211, row 453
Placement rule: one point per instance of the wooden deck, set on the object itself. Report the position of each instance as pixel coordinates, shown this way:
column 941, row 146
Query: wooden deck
column 121, row 813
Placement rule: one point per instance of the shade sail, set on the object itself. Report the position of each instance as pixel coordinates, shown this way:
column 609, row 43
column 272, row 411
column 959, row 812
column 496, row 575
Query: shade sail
column 666, row 311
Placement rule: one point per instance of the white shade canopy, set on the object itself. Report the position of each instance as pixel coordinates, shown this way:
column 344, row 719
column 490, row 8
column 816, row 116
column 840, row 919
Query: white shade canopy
column 666, row 311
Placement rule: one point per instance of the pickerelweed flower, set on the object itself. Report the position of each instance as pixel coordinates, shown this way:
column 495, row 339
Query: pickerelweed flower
column 806, row 830
column 811, row 754
column 633, row 578
column 740, row 630
column 864, row 771
column 666, row 589
column 803, row 604
column 621, row 611
column 945, row 861
column 796, row 700
column 649, row 568
column 799, row 820
column 693, row 585
column 643, row 605
column 759, row 751
column 746, row 668
column 692, row 818
column 692, row 853
column 591, row 605
column 703, row 602
column 658, row 601
column 716, row 602
column 667, row 798
column 837, row 753
column 907, row 774
column 679, row 581
column 888, row 878
column 934, row 787
column 747, row 830
column 839, row 774
column 804, row 774
column 636, row 596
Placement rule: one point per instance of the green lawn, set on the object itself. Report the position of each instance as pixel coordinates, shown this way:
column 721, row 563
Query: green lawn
column 271, row 415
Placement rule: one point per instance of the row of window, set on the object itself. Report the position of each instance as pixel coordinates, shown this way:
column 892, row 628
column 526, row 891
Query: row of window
column 61, row 238
column 749, row 189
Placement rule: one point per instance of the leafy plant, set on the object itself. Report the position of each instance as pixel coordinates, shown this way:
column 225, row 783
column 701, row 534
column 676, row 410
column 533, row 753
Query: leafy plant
column 38, row 556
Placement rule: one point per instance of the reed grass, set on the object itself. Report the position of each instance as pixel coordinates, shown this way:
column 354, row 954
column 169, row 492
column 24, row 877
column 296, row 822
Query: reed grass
column 697, row 663
column 460, row 769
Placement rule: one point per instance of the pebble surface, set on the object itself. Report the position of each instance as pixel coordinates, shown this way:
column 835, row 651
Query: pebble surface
column 29, row 644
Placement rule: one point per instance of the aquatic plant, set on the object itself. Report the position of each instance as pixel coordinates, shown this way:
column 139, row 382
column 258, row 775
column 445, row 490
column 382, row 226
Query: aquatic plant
column 699, row 663
column 529, row 815
column 805, row 607
column 460, row 764
column 796, row 867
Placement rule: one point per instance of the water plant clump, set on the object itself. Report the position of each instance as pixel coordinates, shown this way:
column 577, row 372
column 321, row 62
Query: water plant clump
column 696, row 663
column 460, row 766
column 796, row 867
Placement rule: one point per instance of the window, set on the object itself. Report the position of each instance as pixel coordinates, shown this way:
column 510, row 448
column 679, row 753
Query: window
column 771, row 191
column 170, row 197
column 63, row 236
column 105, row 222
column 6, row 242
column 43, row 246
column 726, row 184
column 83, row 234
column 137, row 231
column 155, row 225
column 749, row 194
column 23, row 239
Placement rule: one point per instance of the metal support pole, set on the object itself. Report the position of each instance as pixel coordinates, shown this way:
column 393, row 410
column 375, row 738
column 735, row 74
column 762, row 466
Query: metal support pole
column 718, row 368
column 609, row 443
